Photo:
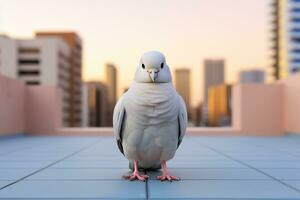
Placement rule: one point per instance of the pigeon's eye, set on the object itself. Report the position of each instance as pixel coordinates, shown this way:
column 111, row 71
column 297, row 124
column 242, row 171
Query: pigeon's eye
column 143, row 66
column 162, row 65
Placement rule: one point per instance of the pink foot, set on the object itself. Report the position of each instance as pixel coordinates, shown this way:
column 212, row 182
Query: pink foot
column 136, row 176
column 166, row 176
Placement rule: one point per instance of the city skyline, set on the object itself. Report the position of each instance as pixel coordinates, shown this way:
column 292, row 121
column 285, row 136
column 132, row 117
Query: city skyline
column 118, row 32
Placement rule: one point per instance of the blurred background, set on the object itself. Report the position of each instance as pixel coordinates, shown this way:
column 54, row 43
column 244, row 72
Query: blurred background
column 90, row 49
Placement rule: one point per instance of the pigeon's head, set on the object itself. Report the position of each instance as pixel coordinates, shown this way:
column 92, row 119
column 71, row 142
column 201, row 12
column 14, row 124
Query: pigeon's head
column 153, row 69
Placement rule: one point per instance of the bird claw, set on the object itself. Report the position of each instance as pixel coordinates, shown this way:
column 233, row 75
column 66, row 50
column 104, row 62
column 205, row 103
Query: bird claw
column 136, row 176
column 167, row 178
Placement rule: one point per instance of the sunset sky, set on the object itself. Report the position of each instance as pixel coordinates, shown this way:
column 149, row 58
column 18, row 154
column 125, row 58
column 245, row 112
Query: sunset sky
column 119, row 31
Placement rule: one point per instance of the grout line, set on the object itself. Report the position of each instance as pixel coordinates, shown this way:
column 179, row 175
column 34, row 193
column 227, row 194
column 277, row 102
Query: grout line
column 105, row 198
column 168, row 167
column 153, row 179
column 147, row 185
column 251, row 167
column 96, row 198
column 81, row 149
column 185, row 168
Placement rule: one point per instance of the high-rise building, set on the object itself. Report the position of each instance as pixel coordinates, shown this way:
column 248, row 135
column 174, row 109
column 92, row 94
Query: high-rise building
column 286, row 37
column 75, row 45
column 195, row 115
column 111, row 82
column 38, row 61
column 95, row 104
column 182, row 84
column 213, row 74
column 219, row 105
column 252, row 76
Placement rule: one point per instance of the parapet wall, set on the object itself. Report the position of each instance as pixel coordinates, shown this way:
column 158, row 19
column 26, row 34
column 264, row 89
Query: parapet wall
column 43, row 110
column 29, row 109
column 12, row 106
column 258, row 109
column 291, row 103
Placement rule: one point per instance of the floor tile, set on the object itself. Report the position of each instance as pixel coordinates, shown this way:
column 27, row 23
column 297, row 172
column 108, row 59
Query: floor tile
column 214, row 174
column 266, row 158
column 274, row 164
column 95, row 171
column 23, row 164
column 75, row 189
column 225, row 189
column 95, row 158
column 284, row 174
column 14, row 174
column 205, row 164
column 79, row 174
column 4, row 183
column 29, row 158
column 91, row 164
column 200, row 158
column 295, row 184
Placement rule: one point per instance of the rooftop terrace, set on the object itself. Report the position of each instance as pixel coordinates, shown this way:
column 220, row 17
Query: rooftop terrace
column 91, row 168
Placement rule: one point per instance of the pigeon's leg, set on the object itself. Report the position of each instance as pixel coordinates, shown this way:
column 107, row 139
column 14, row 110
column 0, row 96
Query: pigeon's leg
column 165, row 175
column 136, row 174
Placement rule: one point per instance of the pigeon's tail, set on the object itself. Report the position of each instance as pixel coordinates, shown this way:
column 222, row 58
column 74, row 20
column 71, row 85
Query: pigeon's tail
column 153, row 167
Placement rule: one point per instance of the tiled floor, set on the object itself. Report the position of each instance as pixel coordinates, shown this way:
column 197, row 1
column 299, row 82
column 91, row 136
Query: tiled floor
column 92, row 167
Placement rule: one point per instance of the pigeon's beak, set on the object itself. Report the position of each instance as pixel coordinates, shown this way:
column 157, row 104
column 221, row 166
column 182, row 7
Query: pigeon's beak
column 153, row 73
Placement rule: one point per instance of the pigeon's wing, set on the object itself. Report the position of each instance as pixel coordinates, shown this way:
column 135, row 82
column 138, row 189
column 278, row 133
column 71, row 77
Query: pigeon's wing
column 182, row 120
column 118, row 119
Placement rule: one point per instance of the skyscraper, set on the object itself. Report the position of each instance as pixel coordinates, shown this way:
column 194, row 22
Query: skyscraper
column 219, row 105
column 111, row 82
column 75, row 45
column 252, row 76
column 38, row 61
column 213, row 74
column 95, row 104
column 182, row 83
column 286, row 37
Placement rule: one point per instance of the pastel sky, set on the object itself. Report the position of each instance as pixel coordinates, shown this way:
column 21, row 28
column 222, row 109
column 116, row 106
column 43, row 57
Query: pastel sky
column 119, row 31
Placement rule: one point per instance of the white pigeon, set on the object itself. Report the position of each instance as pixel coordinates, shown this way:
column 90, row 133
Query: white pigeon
column 150, row 119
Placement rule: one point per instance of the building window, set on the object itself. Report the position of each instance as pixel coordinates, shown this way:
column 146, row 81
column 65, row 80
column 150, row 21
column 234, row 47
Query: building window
column 296, row 30
column 29, row 62
column 296, row 50
column 29, row 73
column 295, row 39
column 296, row 10
column 29, row 50
column 32, row 82
column 295, row 19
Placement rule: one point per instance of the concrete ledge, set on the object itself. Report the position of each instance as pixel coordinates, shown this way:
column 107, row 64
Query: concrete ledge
column 213, row 131
column 102, row 131
column 108, row 131
column 193, row 131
